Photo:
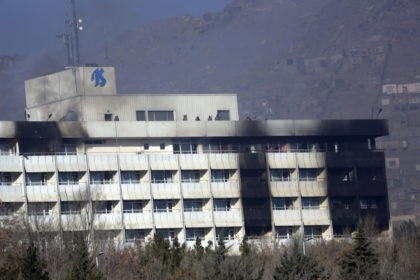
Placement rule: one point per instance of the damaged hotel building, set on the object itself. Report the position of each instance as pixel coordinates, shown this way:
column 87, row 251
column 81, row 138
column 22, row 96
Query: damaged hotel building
column 121, row 167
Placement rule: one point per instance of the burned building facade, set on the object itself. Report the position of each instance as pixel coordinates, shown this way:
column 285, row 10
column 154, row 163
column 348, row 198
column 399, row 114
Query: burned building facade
column 123, row 167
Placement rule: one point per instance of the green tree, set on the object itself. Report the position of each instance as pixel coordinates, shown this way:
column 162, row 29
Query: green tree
column 177, row 253
column 296, row 266
column 361, row 262
column 198, row 248
column 31, row 266
column 82, row 265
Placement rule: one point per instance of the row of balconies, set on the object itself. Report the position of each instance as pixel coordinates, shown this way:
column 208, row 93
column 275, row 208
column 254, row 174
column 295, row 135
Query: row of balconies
column 108, row 162
column 295, row 217
column 15, row 193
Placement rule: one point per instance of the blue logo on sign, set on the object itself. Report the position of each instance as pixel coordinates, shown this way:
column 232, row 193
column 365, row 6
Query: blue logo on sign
column 98, row 77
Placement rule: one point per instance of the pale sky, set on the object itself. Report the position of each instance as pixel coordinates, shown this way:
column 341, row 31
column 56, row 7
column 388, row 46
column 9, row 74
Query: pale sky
column 28, row 26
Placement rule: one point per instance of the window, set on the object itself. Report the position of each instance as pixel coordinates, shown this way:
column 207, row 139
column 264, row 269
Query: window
column 311, row 203
column 312, row 232
column 222, row 175
column 222, row 115
column 133, row 235
column 342, row 174
column 282, row 203
column 193, row 233
column 367, row 203
column 309, row 174
column 226, row 233
column 68, row 178
column 185, row 148
column 371, row 174
column 190, row 176
column 191, row 205
column 133, row 206
column 162, row 205
column 160, row 115
column 140, row 115
column 101, row 177
column 95, row 142
column 341, row 204
column 162, row 146
column 7, row 209
column 67, row 149
column 167, row 234
column 5, row 179
column 164, row 176
column 131, row 177
column 108, row 117
column 280, row 175
column 36, row 179
column 216, row 148
column 70, row 208
column 39, row 209
column 221, row 205
column 284, row 232
column 104, row 207
column 146, row 146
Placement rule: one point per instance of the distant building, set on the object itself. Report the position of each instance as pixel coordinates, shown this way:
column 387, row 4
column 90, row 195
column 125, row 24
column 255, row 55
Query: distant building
column 122, row 167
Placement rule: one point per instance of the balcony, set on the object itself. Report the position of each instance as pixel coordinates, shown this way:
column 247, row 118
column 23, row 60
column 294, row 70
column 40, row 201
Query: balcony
column 73, row 192
column 168, row 219
column 198, row 219
column 223, row 161
column 311, row 160
column 316, row 216
column 196, row 190
column 107, row 221
column 12, row 193
column 372, row 188
column 102, row 162
column 10, row 163
column 232, row 218
column 166, row 190
column 313, row 188
column 225, row 189
column 163, row 162
column 39, row 163
column 284, row 189
column 286, row 217
column 105, row 191
column 133, row 162
column 281, row 160
column 338, row 188
column 69, row 163
column 41, row 193
column 135, row 191
column 138, row 220
column 75, row 222
column 193, row 161
column 45, row 223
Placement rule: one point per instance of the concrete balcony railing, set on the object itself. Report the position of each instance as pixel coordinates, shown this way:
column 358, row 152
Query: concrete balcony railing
column 284, row 188
column 74, row 192
column 316, row 216
column 281, row 160
column 198, row 219
column 223, row 161
column 163, row 161
column 225, row 189
column 286, row 217
column 311, row 160
column 168, row 219
column 12, row 193
column 135, row 191
column 75, row 222
column 102, row 162
column 10, row 163
column 41, row 193
column 313, row 188
column 39, row 163
column 105, row 191
column 45, row 223
column 138, row 220
column 193, row 161
column 195, row 190
column 69, row 163
column 166, row 190
column 107, row 221
column 232, row 218
column 133, row 162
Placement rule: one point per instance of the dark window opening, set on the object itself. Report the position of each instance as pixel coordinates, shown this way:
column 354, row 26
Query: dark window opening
column 141, row 115
column 108, row 117
column 223, row 115
column 160, row 115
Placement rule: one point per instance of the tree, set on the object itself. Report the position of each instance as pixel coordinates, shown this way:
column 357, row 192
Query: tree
column 361, row 262
column 198, row 248
column 296, row 266
column 82, row 265
column 31, row 266
column 244, row 248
